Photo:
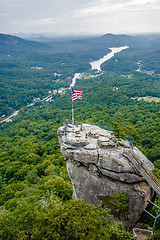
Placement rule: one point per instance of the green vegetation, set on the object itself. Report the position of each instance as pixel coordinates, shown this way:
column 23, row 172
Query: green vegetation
column 118, row 201
column 121, row 201
column 35, row 188
column 123, row 129
column 107, row 201
column 150, row 99
column 155, row 236
column 52, row 219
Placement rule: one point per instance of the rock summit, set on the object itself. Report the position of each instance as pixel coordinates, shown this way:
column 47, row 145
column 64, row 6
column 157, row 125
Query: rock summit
column 98, row 170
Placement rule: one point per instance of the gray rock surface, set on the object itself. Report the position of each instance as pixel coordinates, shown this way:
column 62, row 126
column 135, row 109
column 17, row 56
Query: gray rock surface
column 98, row 170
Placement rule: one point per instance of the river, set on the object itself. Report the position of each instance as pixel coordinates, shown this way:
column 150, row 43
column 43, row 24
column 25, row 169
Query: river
column 97, row 64
column 94, row 65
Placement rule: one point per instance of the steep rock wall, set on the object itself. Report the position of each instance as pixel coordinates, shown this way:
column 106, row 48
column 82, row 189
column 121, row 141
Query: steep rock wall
column 97, row 170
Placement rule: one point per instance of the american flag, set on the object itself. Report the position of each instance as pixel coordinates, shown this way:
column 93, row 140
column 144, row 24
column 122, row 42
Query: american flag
column 76, row 94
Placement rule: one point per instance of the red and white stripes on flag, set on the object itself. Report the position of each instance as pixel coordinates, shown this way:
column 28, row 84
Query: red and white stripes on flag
column 76, row 94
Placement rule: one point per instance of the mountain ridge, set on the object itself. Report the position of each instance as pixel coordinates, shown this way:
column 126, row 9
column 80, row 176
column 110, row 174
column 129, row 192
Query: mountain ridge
column 14, row 44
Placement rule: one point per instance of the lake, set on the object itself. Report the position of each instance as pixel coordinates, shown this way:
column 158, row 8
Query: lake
column 97, row 64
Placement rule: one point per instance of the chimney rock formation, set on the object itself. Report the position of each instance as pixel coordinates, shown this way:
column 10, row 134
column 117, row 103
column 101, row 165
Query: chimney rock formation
column 98, row 169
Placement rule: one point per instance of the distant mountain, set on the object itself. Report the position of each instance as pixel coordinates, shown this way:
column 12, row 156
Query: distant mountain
column 115, row 36
column 49, row 38
column 105, row 41
column 115, row 40
column 11, row 44
column 86, row 43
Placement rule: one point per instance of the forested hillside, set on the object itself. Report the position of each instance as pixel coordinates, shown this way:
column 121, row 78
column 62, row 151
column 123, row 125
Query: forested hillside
column 31, row 69
column 35, row 189
column 15, row 45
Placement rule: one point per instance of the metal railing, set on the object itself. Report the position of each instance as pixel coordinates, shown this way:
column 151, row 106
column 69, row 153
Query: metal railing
column 75, row 143
column 150, row 178
column 154, row 183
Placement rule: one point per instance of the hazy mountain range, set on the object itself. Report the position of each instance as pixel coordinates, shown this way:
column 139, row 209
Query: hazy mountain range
column 10, row 44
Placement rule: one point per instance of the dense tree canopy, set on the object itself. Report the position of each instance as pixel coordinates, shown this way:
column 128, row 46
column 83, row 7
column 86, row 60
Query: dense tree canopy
column 35, row 189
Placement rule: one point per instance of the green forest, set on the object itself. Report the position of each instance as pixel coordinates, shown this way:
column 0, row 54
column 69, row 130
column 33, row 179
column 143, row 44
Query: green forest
column 35, row 189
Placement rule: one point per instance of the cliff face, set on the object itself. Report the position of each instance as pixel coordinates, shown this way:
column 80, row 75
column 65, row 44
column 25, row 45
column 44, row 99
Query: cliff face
column 97, row 170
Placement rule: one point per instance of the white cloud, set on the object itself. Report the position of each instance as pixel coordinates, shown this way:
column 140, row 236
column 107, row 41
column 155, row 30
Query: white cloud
column 79, row 15
column 4, row 14
column 45, row 21
column 102, row 7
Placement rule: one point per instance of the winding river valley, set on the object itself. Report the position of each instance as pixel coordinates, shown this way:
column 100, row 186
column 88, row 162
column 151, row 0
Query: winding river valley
column 96, row 65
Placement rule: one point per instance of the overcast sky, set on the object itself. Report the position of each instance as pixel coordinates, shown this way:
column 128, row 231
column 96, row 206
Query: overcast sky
column 79, row 16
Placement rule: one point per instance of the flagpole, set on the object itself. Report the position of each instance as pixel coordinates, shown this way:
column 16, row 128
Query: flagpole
column 72, row 110
column 72, row 115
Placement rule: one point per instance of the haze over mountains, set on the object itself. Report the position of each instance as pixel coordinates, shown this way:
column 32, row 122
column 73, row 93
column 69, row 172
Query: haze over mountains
column 20, row 82
column 12, row 44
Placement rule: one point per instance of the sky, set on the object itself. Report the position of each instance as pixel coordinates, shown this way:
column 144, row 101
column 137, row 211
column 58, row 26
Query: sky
column 64, row 17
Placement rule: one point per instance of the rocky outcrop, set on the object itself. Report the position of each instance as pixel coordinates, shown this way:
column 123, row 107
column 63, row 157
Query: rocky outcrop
column 98, row 169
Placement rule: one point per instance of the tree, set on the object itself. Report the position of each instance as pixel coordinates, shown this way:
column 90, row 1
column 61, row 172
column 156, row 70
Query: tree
column 60, row 187
column 50, row 219
column 121, row 201
column 78, row 220
column 122, row 128
column 32, row 176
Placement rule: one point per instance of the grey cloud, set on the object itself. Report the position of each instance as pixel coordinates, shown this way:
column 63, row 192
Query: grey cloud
column 78, row 15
